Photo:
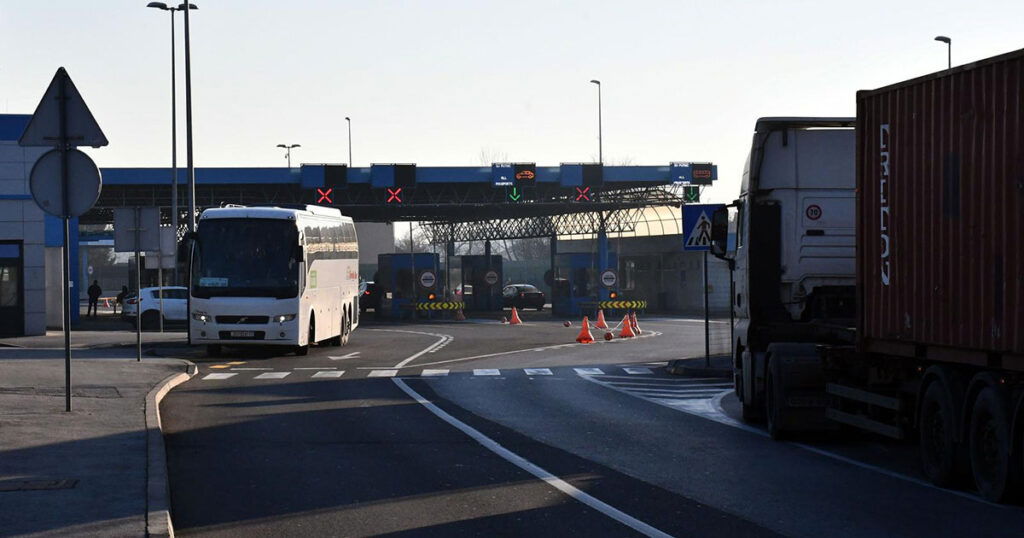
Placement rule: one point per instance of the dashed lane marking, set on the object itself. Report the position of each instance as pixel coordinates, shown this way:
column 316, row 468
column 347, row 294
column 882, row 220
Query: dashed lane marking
column 434, row 373
column 329, row 373
column 273, row 375
column 537, row 371
column 382, row 373
column 486, row 371
column 353, row 355
column 638, row 371
column 212, row 377
column 589, row 371
column 239, row 369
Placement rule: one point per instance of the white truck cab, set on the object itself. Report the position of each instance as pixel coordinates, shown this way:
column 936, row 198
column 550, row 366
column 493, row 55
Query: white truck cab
column 794, row 249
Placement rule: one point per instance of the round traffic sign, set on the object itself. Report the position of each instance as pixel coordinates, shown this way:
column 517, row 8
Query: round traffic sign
column 609, row 277
column 491, row 277
column 428, row 279
column 813, row 212
column 83, row 188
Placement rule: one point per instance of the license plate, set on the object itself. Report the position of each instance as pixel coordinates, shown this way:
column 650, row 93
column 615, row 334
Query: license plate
column 243, row 334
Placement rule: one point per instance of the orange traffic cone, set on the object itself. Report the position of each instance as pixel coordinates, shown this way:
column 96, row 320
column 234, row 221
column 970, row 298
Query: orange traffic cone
column 600, row 320
column 627, row 328
column 584, row 336
column 636, row 327
column 515, row 317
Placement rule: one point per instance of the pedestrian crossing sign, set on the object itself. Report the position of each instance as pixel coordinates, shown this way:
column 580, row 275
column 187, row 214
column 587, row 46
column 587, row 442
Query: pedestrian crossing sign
column 697, row 226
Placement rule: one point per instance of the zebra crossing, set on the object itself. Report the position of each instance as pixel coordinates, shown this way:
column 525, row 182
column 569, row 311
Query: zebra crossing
column 627, row 372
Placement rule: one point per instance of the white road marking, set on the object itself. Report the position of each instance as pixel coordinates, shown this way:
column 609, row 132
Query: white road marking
column 443, row 339
column 353, row 355
column 434, row 373
column 486, row 371
column 636, row 371
column 244, row 369
column 382, row 373
column 589, row 371
column 320, row 368
column 534, row 469
column 273, row 375
column 329, row 373
column 537, row 371
column 218, row 375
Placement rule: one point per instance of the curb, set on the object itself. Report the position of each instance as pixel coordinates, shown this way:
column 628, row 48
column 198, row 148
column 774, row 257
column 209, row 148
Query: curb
column 158, row 506
column 694, row 367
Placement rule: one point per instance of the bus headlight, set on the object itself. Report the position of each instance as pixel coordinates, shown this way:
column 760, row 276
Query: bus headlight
column 201, row 316
column 284, row 317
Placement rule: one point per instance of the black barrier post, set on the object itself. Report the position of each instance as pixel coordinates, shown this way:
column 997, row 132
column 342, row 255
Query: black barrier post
column 707, row 317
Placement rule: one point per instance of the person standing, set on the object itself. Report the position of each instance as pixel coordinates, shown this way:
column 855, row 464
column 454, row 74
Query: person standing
column 94, row 298
column 120, row 299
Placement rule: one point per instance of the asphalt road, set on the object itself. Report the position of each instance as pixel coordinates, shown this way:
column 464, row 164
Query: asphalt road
column 482, row 429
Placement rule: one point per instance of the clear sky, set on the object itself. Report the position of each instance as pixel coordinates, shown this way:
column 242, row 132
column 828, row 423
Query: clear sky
column 447, row 83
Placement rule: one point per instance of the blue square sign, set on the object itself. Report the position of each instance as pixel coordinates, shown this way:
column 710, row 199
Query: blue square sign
column 697, row 225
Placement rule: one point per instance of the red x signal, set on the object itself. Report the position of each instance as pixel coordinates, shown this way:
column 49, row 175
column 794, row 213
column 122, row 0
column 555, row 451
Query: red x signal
column 324, row 195
column 583, row 194
column 393, row 195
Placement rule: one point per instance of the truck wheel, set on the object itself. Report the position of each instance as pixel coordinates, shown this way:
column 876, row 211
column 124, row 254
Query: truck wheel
column 773, row 406
column 937, row 445
column 989, row 437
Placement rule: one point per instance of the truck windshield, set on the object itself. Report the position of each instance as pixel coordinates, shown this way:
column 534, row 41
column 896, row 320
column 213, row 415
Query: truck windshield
column 246, row 258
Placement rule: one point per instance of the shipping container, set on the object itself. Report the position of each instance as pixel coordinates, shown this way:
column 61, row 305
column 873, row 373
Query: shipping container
column 940, row 234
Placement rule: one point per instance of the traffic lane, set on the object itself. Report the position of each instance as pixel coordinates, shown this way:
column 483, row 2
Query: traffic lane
column 366, row 348
column 354, row 457
column 777, row 485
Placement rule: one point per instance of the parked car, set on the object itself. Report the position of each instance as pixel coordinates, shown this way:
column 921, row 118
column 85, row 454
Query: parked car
column 523, row 296
column 175, row 304
column 370, row 298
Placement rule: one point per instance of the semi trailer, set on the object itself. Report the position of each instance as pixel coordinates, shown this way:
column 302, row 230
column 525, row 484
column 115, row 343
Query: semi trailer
column 878, row 266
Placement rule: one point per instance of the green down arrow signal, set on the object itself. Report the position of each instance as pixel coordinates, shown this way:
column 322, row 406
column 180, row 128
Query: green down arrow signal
column 515, row 196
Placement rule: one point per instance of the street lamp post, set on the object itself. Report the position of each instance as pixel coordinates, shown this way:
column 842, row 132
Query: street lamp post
column 949, row 50
column 288, row 151
column 349, row 121
column 187, row 7
column 600, row 148
column 174, row 128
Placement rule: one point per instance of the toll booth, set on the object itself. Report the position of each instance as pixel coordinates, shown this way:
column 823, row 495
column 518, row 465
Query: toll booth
column 404, row 280
column 576, row 283
column 482, row 279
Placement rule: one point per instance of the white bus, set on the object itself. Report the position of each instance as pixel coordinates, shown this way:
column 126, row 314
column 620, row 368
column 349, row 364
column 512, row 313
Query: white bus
column 273, row 276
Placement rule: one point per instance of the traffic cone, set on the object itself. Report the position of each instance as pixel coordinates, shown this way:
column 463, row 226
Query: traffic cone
column 636, row 327
column 459, row 316
column 584, row 336
column 515, row 317
column 600, row 320
column 627, row 328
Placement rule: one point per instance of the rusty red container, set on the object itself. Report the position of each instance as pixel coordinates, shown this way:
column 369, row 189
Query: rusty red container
column 940, row 206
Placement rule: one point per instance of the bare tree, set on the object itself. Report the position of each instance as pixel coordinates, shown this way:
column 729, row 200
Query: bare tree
column 417, row 243
column 490, row 155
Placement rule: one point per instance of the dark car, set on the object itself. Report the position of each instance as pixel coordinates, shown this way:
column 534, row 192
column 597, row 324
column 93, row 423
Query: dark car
column 370, row 297
column 523, row 296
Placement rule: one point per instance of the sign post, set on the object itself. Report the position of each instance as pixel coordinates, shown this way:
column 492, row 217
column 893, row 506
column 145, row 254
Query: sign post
column 137, row 229
column 64, row 182
column 697, row 237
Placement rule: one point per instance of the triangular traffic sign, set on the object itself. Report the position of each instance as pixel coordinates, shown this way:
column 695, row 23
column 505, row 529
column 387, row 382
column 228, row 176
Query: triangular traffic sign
column 700, row 236
column 44, row 127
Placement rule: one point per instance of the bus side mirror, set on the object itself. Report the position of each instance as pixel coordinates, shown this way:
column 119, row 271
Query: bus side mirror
column 723, row 233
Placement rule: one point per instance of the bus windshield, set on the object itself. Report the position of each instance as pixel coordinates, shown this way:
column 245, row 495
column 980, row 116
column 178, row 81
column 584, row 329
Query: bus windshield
column 246, row 258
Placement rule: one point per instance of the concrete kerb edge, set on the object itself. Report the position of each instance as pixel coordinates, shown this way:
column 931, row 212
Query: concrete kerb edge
column 158, row 506
column 686, row 367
